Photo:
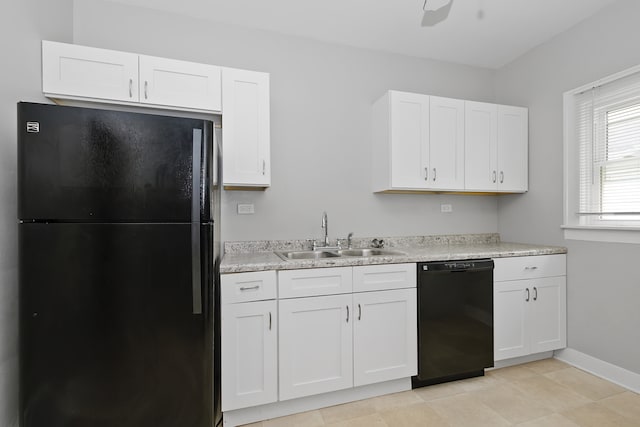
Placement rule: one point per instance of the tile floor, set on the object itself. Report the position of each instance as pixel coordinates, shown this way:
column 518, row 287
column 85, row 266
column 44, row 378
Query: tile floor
column 538, row 394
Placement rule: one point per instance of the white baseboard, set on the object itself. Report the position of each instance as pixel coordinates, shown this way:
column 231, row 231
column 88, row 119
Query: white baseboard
column 600, row 368
column 294, row 406
column 520, row 360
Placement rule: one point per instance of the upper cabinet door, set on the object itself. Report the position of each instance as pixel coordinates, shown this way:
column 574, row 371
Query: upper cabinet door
column 246, row 128
column 409, row 138
column 513, row 146
column 179, row 84
column 446, row 144
column 87, row 72
column 481, row 146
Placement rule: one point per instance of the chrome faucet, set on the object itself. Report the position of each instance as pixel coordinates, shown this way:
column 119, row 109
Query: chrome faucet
column 325, row 228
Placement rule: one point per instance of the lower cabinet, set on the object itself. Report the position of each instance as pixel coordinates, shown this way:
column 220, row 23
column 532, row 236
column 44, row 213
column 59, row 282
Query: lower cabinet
column 384, row 336
column 529, row 313
column 249, row 341
column 290, row 347
column 315, row 345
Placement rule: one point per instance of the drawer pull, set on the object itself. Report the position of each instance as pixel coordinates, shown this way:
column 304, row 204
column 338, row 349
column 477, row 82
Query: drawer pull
column 249, row 288
column 531, row 268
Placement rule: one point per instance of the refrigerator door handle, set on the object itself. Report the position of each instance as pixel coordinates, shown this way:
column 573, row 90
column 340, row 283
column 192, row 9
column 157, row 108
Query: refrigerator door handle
column 196, row 274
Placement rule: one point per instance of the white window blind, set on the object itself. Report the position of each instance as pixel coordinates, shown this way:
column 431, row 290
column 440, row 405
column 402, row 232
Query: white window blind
column 607, row 120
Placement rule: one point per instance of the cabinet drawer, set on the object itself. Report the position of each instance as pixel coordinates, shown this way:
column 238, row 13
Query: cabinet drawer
column 384, row 277
column 315, row 282
column 529, row 267
column 245, row 287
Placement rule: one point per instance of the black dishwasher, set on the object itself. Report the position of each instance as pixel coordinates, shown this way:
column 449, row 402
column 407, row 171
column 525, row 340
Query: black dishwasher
column 455, row 320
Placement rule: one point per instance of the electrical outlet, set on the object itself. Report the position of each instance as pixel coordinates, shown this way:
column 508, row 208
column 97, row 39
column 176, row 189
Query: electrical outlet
column 446, row 208
column 246, row 209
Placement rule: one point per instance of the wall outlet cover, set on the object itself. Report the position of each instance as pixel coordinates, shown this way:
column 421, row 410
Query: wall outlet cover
column 446, row 208
column 246, row 209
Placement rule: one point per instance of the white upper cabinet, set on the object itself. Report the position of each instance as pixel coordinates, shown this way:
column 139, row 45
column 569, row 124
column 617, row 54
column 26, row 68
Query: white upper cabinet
column 246, row 128
column 90, row 74
column 481, row 146
column 446, row 143
column 170, row 82
column 513, row 146
column 430, row 143
column 400, row 141
column 85, row 72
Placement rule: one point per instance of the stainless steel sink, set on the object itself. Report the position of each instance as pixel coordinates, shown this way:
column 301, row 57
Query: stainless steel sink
column 306, row 255
column 320, row 254
column 368, row 252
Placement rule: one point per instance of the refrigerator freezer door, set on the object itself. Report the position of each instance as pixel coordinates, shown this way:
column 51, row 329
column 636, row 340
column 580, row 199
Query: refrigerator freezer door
column 108, row 334
column 82, row 164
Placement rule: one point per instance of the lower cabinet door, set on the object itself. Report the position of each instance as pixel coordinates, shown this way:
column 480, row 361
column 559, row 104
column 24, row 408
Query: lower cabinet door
column 249, row 354
column 316, row 353
column 549, row 314
column 511, row 319
column 384, row 335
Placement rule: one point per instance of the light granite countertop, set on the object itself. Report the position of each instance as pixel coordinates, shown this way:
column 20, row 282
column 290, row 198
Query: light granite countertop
column 260, row 256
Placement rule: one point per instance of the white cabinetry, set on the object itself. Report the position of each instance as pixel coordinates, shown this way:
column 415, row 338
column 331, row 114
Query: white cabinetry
column 340, row 340
column 496, row 144
column 400, row 141
column 384, row 335
column 446, row 143
column 168, row 82
column 249, row 339
column 86, row 73
column 315, row 345
column 246, row 128
column 513, row 146
column 529, row 305
column 430, row 143
column 418, row 142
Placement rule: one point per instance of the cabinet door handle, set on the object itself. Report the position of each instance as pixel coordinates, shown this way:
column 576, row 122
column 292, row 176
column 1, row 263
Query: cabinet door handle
column 347, row 314
column 528, row 295
column 146, row 85
column 264, row 166
column 426, row 174
column 130, row 88
column 269, row 320
column 359, row 312
column 535, row 293
column 249, row 288
column 494, row 177
column 434, row 174
column 501, row 177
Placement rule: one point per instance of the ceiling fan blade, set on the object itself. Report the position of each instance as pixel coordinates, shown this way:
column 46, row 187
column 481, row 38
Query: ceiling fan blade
column 433, row 17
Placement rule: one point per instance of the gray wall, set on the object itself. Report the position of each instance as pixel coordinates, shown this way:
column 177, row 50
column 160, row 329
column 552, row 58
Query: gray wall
column 321, row 97
column 23, row 25
column 603, row 279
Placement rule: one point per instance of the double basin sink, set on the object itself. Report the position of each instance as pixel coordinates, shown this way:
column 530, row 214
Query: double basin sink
column 321, row 254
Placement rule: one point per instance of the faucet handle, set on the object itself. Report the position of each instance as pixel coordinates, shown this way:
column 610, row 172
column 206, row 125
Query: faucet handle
column 349, row 236
column 377, row 243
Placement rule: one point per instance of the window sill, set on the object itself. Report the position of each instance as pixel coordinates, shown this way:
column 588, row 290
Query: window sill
column 602, row 233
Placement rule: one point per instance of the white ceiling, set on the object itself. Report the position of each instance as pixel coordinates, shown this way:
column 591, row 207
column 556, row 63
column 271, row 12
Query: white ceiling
column 485, row 33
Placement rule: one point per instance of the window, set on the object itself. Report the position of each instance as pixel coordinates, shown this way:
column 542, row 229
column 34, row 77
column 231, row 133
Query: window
column 602, row 155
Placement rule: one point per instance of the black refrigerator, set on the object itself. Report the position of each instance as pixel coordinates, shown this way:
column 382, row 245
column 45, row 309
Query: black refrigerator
column 118, row 240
